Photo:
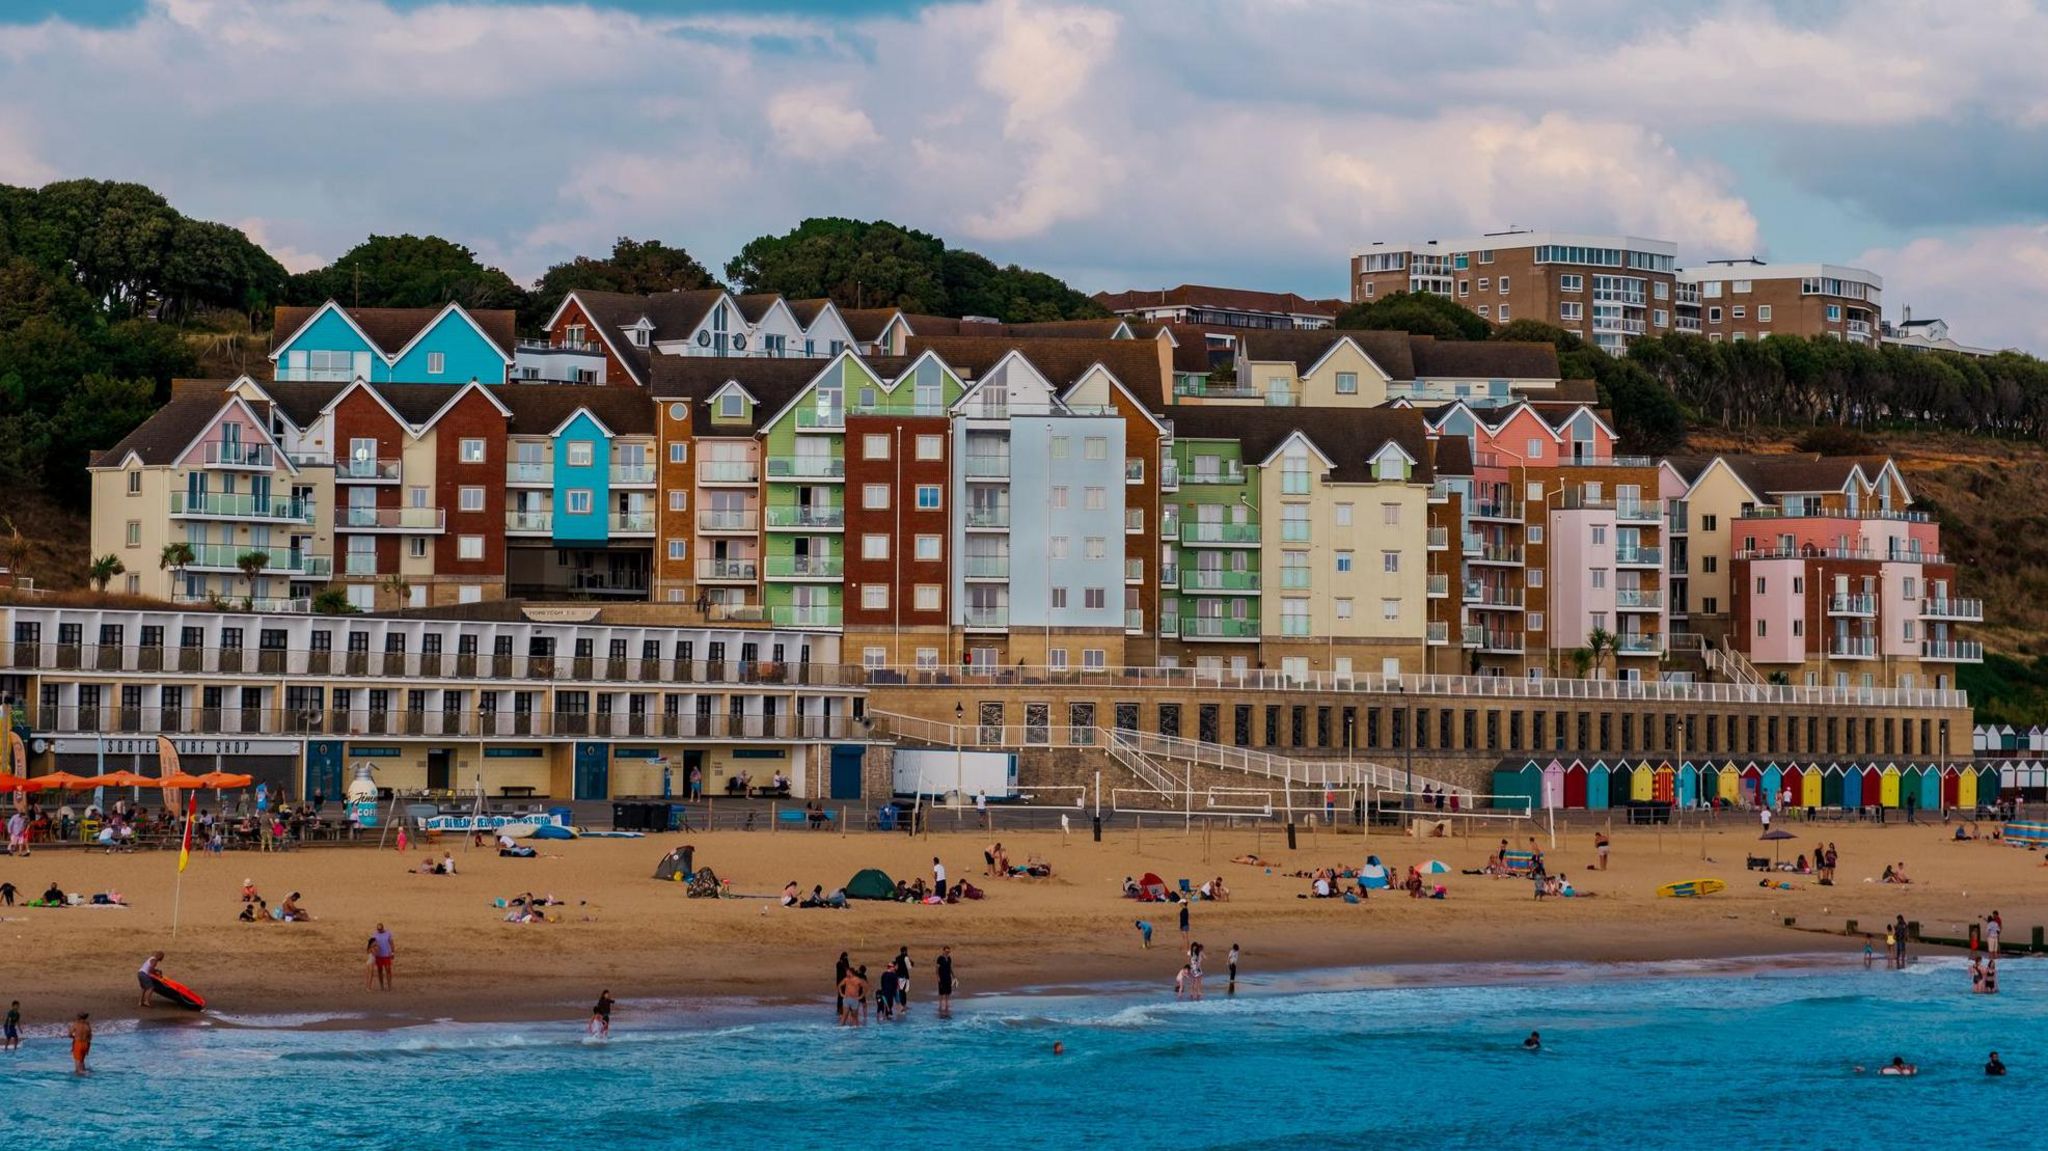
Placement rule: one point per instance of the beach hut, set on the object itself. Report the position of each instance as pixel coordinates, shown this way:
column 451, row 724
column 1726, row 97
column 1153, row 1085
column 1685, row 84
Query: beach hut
column 1888, row 785
column 1752, row 777
column 1642, row 783
column 1621, row 784
column 1575, row 786
column 1873, row 785
column 1598, row 793
column 1930, row 788
column 1688, row 785
column 1513, row 786
column 1773, row 783
column 1966, row 788
column 1664, row 783
column 1852, row 786
column 1553, row 785
column 1951, row 785
column 1830, row 785
column 1727, row 782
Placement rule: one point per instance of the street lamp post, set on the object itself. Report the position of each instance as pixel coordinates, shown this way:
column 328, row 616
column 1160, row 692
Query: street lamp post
column 959, row 750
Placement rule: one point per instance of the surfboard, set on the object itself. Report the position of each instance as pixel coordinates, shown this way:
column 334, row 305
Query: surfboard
column 1689, row 888
column 178, row 994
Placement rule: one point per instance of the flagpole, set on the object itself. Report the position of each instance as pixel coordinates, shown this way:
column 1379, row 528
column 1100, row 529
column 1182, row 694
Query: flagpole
column 184, row 857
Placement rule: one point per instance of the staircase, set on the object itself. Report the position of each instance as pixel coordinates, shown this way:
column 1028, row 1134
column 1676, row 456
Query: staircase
column 1305, row 774
column 1154, row 777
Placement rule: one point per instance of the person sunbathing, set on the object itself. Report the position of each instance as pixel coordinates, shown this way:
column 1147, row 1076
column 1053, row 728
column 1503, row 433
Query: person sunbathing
column 1896, row 874
column 789, row 896
column 54, row 897
column 291, row 912
column 1250, row 860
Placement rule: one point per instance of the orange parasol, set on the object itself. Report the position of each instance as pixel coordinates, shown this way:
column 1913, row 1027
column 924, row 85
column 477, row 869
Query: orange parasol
column 221, row 779
column 62, row 781
column 180, row 782
column 123, row 778
column 18, row 783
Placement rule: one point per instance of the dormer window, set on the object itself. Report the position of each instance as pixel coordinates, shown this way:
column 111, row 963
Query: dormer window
column 732, row 406
column 640, row 335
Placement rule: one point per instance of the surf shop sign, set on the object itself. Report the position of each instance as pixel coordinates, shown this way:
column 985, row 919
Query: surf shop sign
column 186, row 747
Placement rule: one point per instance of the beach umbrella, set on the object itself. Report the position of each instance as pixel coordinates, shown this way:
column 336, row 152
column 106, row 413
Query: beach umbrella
column 181, row 782
column 62, row 781
column 1434, row 867
column 18, row 783
column 224, row 779
column 122, row 778
column 1776, row 836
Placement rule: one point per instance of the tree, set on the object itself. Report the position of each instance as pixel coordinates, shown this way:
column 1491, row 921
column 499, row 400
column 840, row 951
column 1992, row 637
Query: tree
column 407, row 272
column 103, row 571
column 641, row 267
column 1422, row 313
column 399, row 587
column 175, row 558
column 333, row 601
column 252, row 564
column 14, row 546
column 1600, row 643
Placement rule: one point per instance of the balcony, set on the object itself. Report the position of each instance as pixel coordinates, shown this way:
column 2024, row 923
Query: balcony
column 1169, row 526
column 988, row 519
column 1967, row 610
column 1628, row 599
column 1852, row 647
column 806, row 567
column 1134, row 570
column 985, row 567
column 1638, row 512
column 1169, row 627
column 812, row 419
column 805, row 615
column 1497, row 641
column 529, row 523
column 1215, row 472
column 1952, row 651
column 1169, row 475
column 1638, row 557
column 1806, row 512
column 814, row 517
column 1438, row 633
column 1294, row 578
column 1134, row 621
column 283, row 561
column 1134, row 471
column 530, row 472
column 421, row 520
column 728, row 472
column 1507, row 554
column 1639, row 643
column 1200, row 533
column 632, row 475
column 1169, row 576
column 727, row 571
column 1210, row 579
column 360, row 565
column 630, row 523
column 1439, row 539
column 366, row 471
column 806, row 467
column 1216, row 627
column 235, row 454
column 1439, row 585
column 985, row 618
column 1853, row 605
column 987, row 467
column 713, row 521
column 1482, row 595
column 1497, row 510
column 1134, row 521
column 1816, row 552
column 240, row 506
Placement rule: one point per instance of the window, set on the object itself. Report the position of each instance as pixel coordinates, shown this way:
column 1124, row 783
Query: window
column 1294, row 522
column 1094, row 659
column 1390, row 561
column 469, row 547
column 1095, row 499
column 927, row 497
column 437, row 362
column 1834, row 311
column 135, row 533
column 416, row 547
column 1503, row 285
column 1343, row 515
column 1535, row 621
column 927, row 597
column 1061, row 447
column 1710, row 565
column 472, row 451
column 1599, row 534
column 1464, row 288
column 676, row 551
column 931, row 448
column 1344, row 561
column 1741, row 287
column 1343, row 609
column 874, row 496
column 874, row 547
column 1535, row 577
column 874, row 596
column 1056, row 659
column 928, row 548
column 1571, row 310
column 679, row 453
column 1390, row 609
column 678, row 500
column 1094, row 598
column 1708, row 523
column 1763, row 313
column 1059, row 597
column 732, row 405
column 1760, row 629
column 874, row 657
column 1095, row 448
column 579, row 501
column 1571, row 282
column 579, row 453
column 134, row 483
column 1660, row 318
column 1738, row 337
column 1738, row 312
column 1599, row 577
column 1535, row 533
column 1503, row 317
column 927, row 657
column 1347, row 383
column 1390, row 514
column 471, row 499
column 873, row 447
column 1059, row 498
column 1484, row 283
column 1486, row 311
column 1661, row 290
column 1095, row 548
column 1714, row 315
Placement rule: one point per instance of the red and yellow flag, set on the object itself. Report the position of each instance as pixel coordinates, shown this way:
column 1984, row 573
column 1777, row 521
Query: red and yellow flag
column 185, row 847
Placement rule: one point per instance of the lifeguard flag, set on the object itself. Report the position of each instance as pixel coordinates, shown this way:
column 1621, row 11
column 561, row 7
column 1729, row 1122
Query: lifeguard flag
column 185, row 847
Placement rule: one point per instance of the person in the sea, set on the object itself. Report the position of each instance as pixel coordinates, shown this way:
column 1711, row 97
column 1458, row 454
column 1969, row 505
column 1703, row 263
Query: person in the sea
column 81, row 1043
column 1899, row 1066
column 839, row 973
column 1991, row 977
column 944, row 966
column 601, row 1015
column 1977, row 974
column 1993, row 1065
column 885, row 994
column 1534, row 1042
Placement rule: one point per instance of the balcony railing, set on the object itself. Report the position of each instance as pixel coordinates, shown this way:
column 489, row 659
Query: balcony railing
column 1639, row 643
column 530, row 522
column 1229, row 472
column 1169, row 475
column 812, row 419
column 728, row 520
column 1169, row 526
column 1497, row 510
column 814, row 516
column 1439, row 539
column 1962, row 609
column 1638, row 512
column 1439, row 585
column 1134, row 471
column 1493, row 640
column 366, row 471
column 1852, row 647
column 806, row 567
column 1216, row 627
column 1497, row 554
column 1481, row 595
column 1134, row 570
column 441, row 724
column 729, row 570
column 986, row 567
column 1295, row 577
column 986, row 517
column 1200, row 533
column 728, row 472
column 241, row 506
column 1952, row 650
column 283, row 561
column 390, row 519
column 528, row 472
column 1627, row 599
column 1639, row 557
column 806, row 467
column 985, row 617
column 1169, row 576
column 987, row 467
column 235, row 454
column 1816, row 552
column 1211, row 579
column 632, row 474
column 1134, row 520
column 1771, row 512
column 1438, row 633
column 631, row 523
column 1852, row 605
column 1134, row 620
column 802, row 615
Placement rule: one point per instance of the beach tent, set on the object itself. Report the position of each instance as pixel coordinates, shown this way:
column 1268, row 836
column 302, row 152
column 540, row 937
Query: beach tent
column 1553, row 785
column 1687, row 785
column 872, row 883
column 1575, row 785
column 1598, row 789
column 675, row 866
column 1373, row 876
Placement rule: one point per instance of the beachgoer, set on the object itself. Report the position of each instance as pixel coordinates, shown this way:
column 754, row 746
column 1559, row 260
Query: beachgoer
column 861, row 975
column 902, row 965
column 1991, row 977
column 1600, row 843
column 944, row 966
column 1993, row 1066
column 1233, row 969
column 938, row 874
column 249, row 891
column 1180, row 982
column 885, row 994
column 1891, row 949
column 839, row 973
column 1534, row 1042
column 81, row 1043
column 1977, row 974
column 1144, row 932
column 601, row 1015
column 1899, row 943
column 146, row 976
column 7, row 894
column 1992, row 926
column 1868, row 956
column 1183, row 927
column 10, row 1031
column 382, row 952
column 852, row 992
column 1765, row 812
column 1899, row 1066
column 1195, row 970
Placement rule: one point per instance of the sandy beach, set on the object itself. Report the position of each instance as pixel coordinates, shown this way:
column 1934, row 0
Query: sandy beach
column 644, row 940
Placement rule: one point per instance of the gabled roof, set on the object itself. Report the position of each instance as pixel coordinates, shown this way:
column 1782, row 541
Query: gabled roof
column 1453, row 456
column 773, row 383
column 674, row 315
column 1350, row 437
column 808, row 311
column 1484, row 359
column 390, row 330
column 1800, row 474
column 504, row 345
column 1222, row 299
column 1390, row 350
column 868, row 324
column 1191, row 351
column 164, row 436
column 1063, row 362
column 756, row 305
column 542, row 409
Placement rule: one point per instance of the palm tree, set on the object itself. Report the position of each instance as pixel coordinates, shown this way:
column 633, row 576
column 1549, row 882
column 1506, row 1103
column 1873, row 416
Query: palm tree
column 103, row 571
column 333, row 601
column 252, row 565
column 15, row 547
column 1600, row 643
column 175, row 559
column 399, row 587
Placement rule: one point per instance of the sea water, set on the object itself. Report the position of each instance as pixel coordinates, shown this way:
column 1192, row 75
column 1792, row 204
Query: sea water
column 1762, row 1054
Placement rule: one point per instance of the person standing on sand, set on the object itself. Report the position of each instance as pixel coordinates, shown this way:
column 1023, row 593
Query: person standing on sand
column 943, row 965
column 1183, row 928
column 1144, row 932
column 81, row 1043
column 1233, row 969
column 382, row 952
column 601, row 1015
column 1992, row 927
column 1600, row 843
column 938, row 876
column 146, row 976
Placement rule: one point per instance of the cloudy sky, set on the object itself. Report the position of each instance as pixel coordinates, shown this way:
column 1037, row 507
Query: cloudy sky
column 1119, row 143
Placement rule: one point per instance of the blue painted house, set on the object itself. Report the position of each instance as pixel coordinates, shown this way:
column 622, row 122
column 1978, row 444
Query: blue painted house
column 583, row 463
column 445, row 345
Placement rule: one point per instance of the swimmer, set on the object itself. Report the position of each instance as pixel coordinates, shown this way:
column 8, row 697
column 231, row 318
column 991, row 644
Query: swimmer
column 1993, row 1066
column 1059, row 1048
column 1898, row 1066
column 81, row 1043
column 1534, row 1042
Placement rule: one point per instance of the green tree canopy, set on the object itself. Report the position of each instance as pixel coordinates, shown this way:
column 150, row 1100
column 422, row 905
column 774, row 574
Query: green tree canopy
column 1422, row 313
column 407, row 272
column 638, row 266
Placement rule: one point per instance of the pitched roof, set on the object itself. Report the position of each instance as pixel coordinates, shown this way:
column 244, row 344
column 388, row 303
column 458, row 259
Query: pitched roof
column 1390, row 350
column 1063, row 362
column 868, row 324
column 1576, row 391
column 1484, row 359
column 392, row 328
column 774, row 382
column 1792, row 474
column 1222, row 299
column 1191, row 351
column 674, row 316
column 755, row 305
column 159, row 439
column 538, row 409
column 1349, row 436
column 808, row 311
column 1453, row 456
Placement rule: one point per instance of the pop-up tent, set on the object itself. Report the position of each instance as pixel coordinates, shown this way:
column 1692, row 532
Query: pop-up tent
column 1373, row 876
column 675, row 866
column 871, row 883
column 1151, row 888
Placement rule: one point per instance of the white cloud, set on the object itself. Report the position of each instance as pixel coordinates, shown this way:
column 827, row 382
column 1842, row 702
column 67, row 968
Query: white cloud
column 819, row 124
column 1988, row 283
column 266, row 235
column 19, row 164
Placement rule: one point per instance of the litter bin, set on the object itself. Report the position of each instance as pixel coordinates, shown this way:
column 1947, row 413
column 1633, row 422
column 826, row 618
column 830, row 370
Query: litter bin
column 622, row 817
column 885, row 819
column 565, row 814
